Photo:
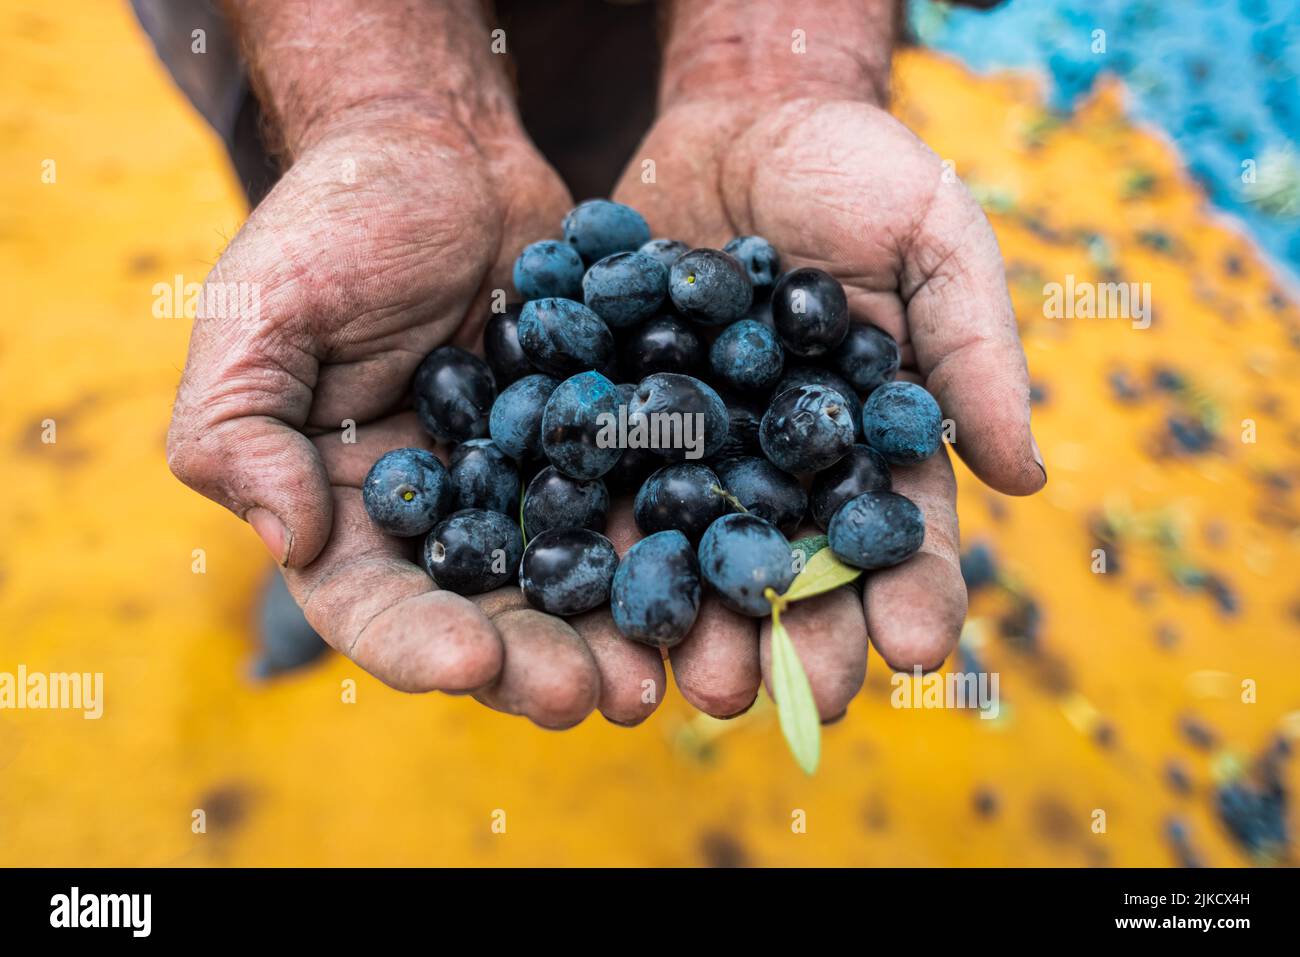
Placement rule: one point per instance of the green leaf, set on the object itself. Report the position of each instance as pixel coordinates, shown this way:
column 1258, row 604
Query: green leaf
column 795, row 707
column 823, row 572
column 810, row 546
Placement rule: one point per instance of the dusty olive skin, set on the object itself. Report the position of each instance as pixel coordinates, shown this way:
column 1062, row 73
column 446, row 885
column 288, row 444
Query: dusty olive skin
column 747, row 357
column 562, row 337
column 567, row 571
column 548, row 268
column 876, row 530
column 816, row 375
column 482, row 476
column 765, row 490
column 473, row 551
column 759, row 257
column 861, row 470
column 710, row 286
column 902, row 422
column 407, row 492
column 665, row 251
column 572, row 423
column 655, row 597
column 685, row 496
column 667, row 393
column 625, row 288
column 868, row 357
column 515, row 423
column 741, row 556
column 806, row 429
column 553, row 500
column 598, row 228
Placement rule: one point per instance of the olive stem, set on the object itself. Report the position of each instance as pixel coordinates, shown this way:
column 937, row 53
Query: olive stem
column 778, row 603
column 728, row 497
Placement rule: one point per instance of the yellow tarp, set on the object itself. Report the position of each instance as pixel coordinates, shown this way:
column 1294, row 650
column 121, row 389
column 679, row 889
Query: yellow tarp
column 97, row 543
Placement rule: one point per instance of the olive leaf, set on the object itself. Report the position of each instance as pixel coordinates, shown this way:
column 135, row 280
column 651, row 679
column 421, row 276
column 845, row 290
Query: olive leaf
column 808, row 547
column 795, row 707
column 823, row 572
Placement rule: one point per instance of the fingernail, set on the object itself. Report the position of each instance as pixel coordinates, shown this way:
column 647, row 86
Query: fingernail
column 1038, row 455
column 271, row 531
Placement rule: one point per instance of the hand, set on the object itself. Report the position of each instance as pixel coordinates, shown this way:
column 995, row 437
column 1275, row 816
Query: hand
column 411, row 192
column 835, row 182
column 381, row 242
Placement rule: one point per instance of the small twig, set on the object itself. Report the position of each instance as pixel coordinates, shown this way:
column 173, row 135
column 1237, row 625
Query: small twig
column 728, row 497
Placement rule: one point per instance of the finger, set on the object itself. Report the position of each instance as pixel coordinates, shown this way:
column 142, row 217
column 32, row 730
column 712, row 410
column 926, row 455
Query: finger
column 549, row 675
column 914, row 611
column 365, row 598
column 234, row 438
column 632, row 678
column 245, row 393
column 829, row 633
column 967, row 345
column 716, row 667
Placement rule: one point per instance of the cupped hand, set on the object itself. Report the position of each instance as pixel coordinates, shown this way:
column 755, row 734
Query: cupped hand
column 841, row 185
column 382, row 241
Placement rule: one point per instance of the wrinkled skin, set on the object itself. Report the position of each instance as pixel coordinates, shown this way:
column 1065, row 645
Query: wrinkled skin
column 841, row 185
column 431, row 224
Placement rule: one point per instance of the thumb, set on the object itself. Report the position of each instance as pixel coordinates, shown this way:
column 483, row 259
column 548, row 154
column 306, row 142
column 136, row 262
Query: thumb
column 235, row 433
column 967, row 343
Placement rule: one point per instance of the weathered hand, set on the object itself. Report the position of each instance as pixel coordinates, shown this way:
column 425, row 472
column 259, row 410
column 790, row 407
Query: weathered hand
column 382, row 241
column 840, row 185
